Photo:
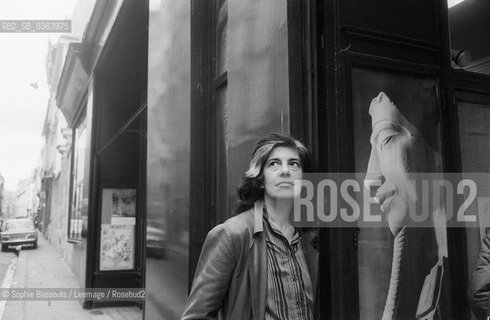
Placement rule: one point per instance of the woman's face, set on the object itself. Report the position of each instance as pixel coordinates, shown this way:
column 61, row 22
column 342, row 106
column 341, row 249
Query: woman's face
column 281, row 169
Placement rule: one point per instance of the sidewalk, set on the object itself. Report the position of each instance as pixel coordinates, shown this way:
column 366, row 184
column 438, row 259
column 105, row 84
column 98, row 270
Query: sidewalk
column 44, row 268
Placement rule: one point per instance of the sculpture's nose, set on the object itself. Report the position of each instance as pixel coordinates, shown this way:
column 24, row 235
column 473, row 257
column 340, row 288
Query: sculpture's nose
column 373, row 172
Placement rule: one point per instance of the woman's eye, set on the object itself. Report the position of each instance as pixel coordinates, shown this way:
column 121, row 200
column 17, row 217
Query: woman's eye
column 273, row 163
column 295, row 164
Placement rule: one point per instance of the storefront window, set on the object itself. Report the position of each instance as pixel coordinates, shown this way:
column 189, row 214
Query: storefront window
column 76, row 203
column 475, row 147
column 258, row 80
column 168, row 159
column 396, row 136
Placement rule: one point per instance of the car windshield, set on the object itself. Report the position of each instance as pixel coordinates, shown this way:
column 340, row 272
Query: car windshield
column 18, row 224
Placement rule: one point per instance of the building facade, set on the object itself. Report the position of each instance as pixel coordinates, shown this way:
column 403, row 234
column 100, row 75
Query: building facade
column 26, row 200
column 2, row 191
column 8, row 204
column 165, row 100
column 57, row 156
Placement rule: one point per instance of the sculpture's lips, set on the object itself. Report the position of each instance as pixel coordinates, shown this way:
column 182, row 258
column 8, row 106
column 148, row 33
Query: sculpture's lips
column 384, row 198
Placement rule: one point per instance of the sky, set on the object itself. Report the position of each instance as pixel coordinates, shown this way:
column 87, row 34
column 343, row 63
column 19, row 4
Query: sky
column 452, row 3
column 23, row 108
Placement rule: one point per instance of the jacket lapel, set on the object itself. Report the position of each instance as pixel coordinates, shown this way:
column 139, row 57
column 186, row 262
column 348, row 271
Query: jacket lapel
column 257, row 266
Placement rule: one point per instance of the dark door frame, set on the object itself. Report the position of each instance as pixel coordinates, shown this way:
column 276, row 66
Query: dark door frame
column 321, row 57
column 138, row 12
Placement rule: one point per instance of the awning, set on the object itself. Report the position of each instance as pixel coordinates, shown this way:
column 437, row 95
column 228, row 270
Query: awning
column 73, row 83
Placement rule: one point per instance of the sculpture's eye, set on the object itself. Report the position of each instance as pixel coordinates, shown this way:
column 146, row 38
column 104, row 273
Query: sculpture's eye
column 385, row 141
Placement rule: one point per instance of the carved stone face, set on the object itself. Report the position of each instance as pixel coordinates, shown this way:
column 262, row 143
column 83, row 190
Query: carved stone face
column 397, row 151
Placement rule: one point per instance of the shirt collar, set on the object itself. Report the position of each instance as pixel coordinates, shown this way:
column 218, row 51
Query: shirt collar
column 259, row 209
column 312, row 234
column 273, row 227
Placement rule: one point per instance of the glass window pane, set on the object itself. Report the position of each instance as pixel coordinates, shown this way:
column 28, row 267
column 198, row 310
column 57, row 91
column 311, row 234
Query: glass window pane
column 75, row 223
column 168, row 160
column 221, row 38
column 475, row 148
column 258, row 79
column 396, row 134
column 221, row 165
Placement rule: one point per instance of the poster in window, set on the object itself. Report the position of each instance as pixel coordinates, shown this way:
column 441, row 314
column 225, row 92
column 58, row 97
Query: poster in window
column 119, row 206
column 117, row 247
column 117, row 237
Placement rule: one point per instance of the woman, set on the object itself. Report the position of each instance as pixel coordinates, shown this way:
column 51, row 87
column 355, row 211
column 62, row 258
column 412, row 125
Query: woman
column 256, row 265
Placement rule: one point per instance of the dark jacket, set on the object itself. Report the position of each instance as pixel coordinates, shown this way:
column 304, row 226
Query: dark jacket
column 231, row 276
column 479, row 288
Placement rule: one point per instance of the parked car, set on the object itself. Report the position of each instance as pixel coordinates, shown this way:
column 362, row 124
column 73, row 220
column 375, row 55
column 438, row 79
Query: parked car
column 18, row 232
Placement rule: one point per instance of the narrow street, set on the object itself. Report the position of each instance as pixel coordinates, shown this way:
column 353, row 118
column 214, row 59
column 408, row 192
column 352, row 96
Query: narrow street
column 44, row 268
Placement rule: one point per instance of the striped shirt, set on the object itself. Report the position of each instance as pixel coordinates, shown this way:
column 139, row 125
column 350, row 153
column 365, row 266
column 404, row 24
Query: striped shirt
column 289, row 289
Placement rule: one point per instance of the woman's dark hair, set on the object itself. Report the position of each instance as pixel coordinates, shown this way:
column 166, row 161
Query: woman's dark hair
column 250, row 189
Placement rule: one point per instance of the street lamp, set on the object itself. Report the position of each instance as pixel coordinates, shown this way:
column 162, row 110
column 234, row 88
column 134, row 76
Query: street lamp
column 35, row 84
